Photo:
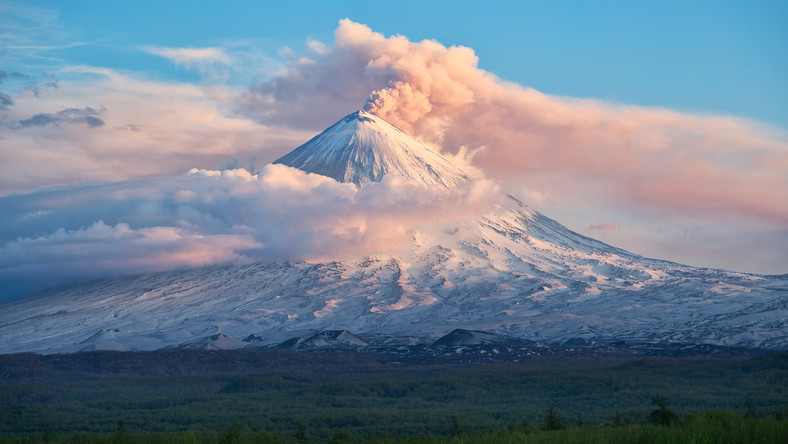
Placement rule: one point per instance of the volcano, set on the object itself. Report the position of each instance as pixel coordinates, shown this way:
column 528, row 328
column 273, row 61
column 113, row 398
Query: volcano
column 512, row 272
column 363, row 148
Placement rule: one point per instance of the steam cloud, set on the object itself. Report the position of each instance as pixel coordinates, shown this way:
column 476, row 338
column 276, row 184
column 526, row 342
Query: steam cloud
column 638, row 156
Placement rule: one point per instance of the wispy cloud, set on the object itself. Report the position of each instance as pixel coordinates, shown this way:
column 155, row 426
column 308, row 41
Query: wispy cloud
column 86, row 115
column 5, row 101
column 237, row 63
column 605, row 226
column 27, row 24
column 190, row 57
column 30, row 33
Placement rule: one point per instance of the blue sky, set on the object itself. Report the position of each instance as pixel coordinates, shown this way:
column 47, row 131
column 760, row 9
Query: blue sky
column 714, row 56
column 658, row 127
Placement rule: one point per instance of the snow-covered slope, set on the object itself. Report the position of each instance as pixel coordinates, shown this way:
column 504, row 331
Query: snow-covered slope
column 362, row 148
column 514, row 272
column 326, row 339
column 511, row 272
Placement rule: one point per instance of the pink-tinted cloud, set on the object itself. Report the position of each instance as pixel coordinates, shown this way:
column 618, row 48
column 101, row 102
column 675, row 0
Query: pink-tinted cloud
column 118, row 126
column 205, row 217
column 605, row 226
column 654, row 157
column 579, row 159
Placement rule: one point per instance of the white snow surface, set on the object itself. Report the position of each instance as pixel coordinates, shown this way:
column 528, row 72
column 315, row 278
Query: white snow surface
column 512, row 271
column 362, row 148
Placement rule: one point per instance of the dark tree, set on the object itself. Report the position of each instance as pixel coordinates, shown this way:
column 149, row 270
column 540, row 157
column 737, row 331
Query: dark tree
column 455, row 427
column 525, row 427
column 750, row 412
column 232, row 435
column 617, row 421
column 121, row 429
column 300, row 434
column 122, row 435
column 662, row 415
column 552, row 420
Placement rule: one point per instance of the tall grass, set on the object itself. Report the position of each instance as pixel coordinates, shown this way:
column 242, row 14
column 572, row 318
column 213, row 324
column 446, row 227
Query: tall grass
column 712, row 427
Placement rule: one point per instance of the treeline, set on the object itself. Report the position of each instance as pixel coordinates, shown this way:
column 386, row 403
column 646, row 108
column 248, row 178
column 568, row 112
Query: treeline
column 396, row 400
column 663, row 426
column 105, row 364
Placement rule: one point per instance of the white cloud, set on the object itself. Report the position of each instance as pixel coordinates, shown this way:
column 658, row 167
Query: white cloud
column 580, row 160
column 149, row 129
column 606, row 160
column 204, row 217
column 317, row 46
column 650, row 156
column 190, row 57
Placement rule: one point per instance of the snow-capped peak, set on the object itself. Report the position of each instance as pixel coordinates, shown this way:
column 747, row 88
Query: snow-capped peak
column 363, row 148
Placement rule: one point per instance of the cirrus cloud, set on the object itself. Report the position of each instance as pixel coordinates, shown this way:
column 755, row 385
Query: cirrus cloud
column 189, row 57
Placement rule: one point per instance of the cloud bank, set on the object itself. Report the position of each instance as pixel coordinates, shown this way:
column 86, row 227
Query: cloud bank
column 102, row 125
column 658, row 167
column 204, row 217
column 644, row 156
column 658, row 172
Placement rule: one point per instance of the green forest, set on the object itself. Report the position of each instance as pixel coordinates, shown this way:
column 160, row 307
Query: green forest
column 636, row 400
column 712, row 427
